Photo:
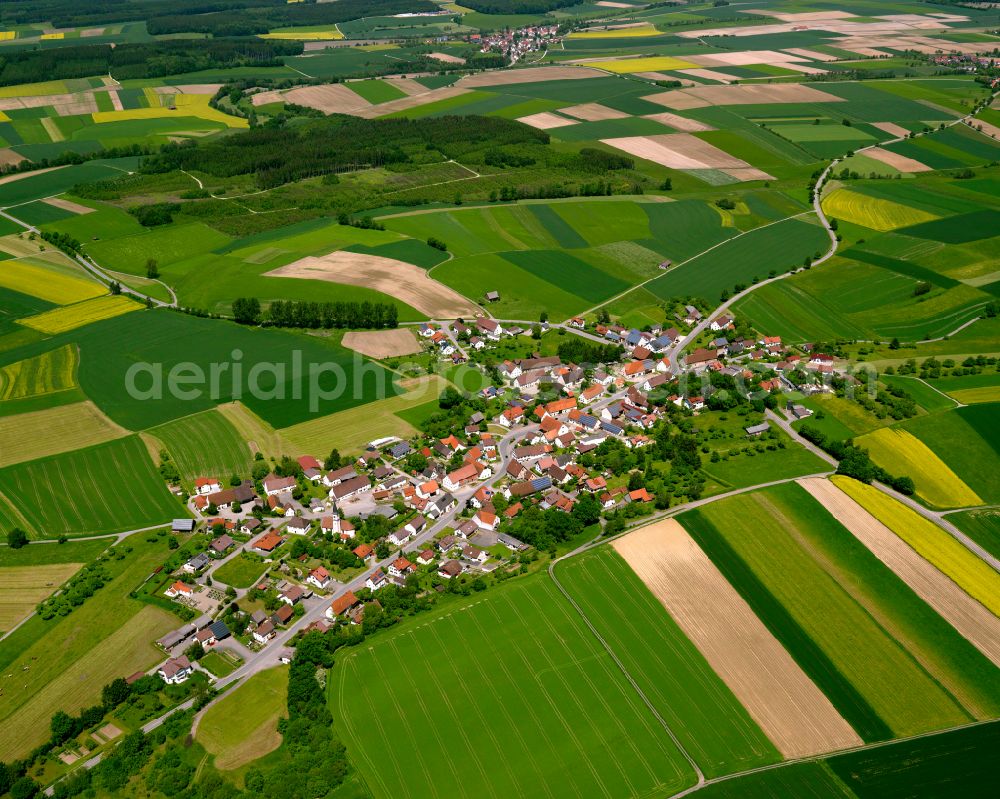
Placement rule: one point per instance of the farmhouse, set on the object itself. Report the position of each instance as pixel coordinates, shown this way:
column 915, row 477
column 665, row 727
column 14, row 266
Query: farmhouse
column 207, row 485
column 350, row 488
column 175, row 670
column 274, row 485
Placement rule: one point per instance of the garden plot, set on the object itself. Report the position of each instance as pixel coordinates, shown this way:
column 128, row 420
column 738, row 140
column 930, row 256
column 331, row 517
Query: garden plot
column 965, row 614
column 787, row 705
column 405, row 282
column 684, row 151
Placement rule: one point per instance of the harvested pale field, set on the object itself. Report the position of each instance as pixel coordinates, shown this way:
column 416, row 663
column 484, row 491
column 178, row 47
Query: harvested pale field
column 406, row 282
column 331, row 98
column 805, row 69
column 891, row 128
column 65, row 104
column 812, row 55
column 787, row 705
column 406, row 103
column 9, row 157
column 23, row 587
column 743, row 58
column 593, row 112
column 747, row 173
column 895, row 160
column 446, row 58
column 27, row 436
column 527, row 75
column 407, row 86
column 980, row 627
column 68, row 205
column 664, row 76
column 678, row 99
column 546, row 120
column 986, row 129
column 680, row 123
column 802, row 16
column 52, row 129
column 116, row 100
column 609, row 4
column 382, row 343
column 683, row 151
column 709, row 74
column 258, row 434
column 867, row 52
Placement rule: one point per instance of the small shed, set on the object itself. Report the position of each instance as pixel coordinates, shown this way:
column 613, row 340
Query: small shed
column 758, row 429
column 182, row 526
column 492, row 296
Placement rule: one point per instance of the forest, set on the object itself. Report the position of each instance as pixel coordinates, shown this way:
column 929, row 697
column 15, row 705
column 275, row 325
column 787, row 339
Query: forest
column 341, row 143
column 214, row 17
column 140, row 59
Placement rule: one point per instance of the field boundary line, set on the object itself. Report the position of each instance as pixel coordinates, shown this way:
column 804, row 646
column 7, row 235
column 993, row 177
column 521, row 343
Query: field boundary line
column 628, row 676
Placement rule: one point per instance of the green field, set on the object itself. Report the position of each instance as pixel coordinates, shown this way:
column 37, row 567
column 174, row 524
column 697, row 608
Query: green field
column 982, row 526
column 106, row 488
column 205, row 445
column 241, row 571
column 759, row 542
column 781, row 246
column 711, row 723
column 965, row 439
column 165, row 339
column 49, row 373
column 554, row 717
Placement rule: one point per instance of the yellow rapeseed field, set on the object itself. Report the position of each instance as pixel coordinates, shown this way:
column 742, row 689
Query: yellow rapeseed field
column 900, row 452
column 47, row 373
column 651, row 64
column 305, row 34
column 48, row 284
column 46, row 36
column 6, row 36
column 59, row 320
column 929, row 541
column 33, row 89
column 187, row 105
column 872, row 212
column 620, row 33
column 971, row 396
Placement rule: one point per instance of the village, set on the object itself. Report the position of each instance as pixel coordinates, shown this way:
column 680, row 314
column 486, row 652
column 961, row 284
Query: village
column 312, row 545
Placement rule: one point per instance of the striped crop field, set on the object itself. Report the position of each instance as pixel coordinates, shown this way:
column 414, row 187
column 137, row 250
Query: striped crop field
column 761, row 543
column 59, row 320
column 872, row 212
column 553, row 718
column 900, row 452
column 932, row 543
column 48, row 284
column 205, row 445
column 47, row 373
column 102, row 489
column 712, row 725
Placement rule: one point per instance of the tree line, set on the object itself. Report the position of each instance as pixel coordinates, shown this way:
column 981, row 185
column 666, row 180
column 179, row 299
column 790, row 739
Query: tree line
column 214, row 17
column 296, row 313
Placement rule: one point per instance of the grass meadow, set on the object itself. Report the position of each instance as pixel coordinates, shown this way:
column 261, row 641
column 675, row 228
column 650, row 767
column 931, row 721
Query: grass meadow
column 982, row 526
column 49, row 431
column 23, row 587
column 241, row 571
column 551, row 716
column 758, row 542
column 243, row 725
column 709, row 720
column 62, row 664
column 105, row 488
